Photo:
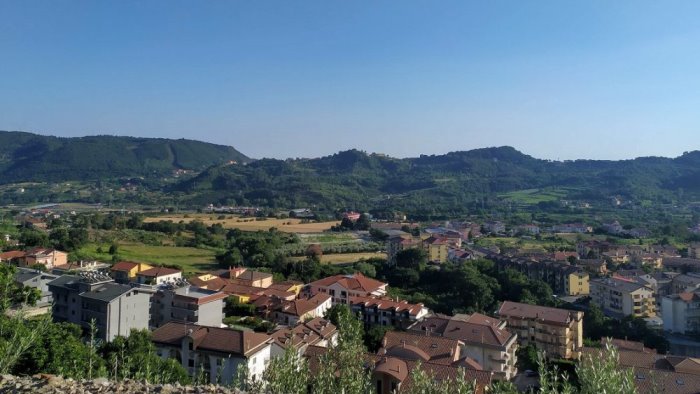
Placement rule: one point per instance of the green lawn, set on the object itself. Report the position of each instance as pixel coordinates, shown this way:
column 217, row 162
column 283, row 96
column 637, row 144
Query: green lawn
column 190, row 260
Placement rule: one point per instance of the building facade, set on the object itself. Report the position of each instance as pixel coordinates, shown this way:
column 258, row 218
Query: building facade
column 116, row 309
column 619, row 297
column 558, row 332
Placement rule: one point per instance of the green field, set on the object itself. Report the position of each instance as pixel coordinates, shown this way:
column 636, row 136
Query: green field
column 535, row 196
column 189, row 260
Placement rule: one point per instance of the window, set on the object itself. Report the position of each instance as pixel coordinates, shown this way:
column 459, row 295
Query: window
column 379, row 387
column 190, row 363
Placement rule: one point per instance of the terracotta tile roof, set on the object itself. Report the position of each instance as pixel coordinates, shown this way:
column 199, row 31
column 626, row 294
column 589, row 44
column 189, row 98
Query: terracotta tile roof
column 440, row 372
column 623, row 344
column 434, row 324
column 542, row 313
column 12, row 254
column 324, row 328
column 215, row 283
column 156, row 272
column 654, row 381
column 241, row 290
column 223, row 340
column 387, row 304
column 414, row 346
column 477, row 333
column 355, row 281
column 302, row 306
column 270, row 292
column 124, row 266
column 394, row 367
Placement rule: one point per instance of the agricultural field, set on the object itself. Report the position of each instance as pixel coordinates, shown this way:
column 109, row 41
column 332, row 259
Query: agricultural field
column 535, row 196
column 189, row 260
column 346, row 258
column 248, row 223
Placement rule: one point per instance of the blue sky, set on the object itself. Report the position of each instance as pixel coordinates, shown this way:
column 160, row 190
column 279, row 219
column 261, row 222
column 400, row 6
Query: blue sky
column 554, row 79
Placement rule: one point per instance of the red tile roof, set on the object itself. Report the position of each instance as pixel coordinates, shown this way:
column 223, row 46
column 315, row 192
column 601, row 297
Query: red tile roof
column 536, row 312
column 156, row 272
column 387, row 304
column 124, row 266
column 356, row 281
column 215, row 339
column 12, row 254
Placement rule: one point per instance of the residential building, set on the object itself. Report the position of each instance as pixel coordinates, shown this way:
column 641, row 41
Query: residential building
column 596, row 267
column 529, row 229
column 219, row 352
column 619, row 297
column 685, row 283
column 681, row 312
column 38, row 280
column 125, row 271
column 694, row 250
column 397, row 243
column 45, row 256
column 158, row 275
column 576, row 282
column 14, row 257
column 495, row 227
column 342, row 287
column 290, row 313
column 425, row 348
column 387, row 312
column 393, row 375
column 188, row 304
column 436, row 249
column 246, row 277
column 484, row 339
column 315, row 332
column 558, row 332
column 680, row 264
column 115, row 308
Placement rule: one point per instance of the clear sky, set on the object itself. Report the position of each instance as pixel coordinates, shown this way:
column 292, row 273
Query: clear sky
column 557, row 79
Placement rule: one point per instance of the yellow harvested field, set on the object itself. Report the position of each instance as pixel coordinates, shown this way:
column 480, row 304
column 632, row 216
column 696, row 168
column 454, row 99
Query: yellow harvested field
column 247, row 223
column 344, row 258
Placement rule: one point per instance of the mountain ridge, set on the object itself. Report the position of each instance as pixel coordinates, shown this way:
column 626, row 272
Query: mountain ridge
column 33, row 157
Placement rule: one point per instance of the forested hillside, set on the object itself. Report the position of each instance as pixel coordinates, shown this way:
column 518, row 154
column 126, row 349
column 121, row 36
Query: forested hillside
column 457, row 180
column 37, row 158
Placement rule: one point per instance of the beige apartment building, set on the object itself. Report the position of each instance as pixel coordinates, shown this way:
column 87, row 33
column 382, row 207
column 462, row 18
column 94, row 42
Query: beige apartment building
column 558, row 332
column 619, row 297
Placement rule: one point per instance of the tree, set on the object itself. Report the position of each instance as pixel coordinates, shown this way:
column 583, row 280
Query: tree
column 287, row 374
column 413, row 258
column 135, row 358
column 601, row 373
column 343, row 366
column 363, row 223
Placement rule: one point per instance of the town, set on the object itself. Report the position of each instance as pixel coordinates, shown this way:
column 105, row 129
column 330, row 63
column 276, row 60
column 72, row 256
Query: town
column 561, row 303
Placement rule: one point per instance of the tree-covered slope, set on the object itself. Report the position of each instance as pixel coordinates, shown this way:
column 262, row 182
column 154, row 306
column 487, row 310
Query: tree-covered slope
column 358, row 180
column 32, row 157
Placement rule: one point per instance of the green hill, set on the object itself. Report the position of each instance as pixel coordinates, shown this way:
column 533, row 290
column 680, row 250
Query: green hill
column 456, row 181
column 32, row 157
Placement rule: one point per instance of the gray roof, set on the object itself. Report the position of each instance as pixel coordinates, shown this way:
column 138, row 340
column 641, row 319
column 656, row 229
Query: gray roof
column 106, row 292
column 620, row 284
column 24, row 275
column 65, row 281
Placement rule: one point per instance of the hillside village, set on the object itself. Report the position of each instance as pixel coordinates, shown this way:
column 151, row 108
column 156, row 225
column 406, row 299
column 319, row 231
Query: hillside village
column 215, row 322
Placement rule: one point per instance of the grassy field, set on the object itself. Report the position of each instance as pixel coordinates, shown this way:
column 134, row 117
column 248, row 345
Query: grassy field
column 344, row 258
column 190, row 260
column 249, row 224
column 534, row 196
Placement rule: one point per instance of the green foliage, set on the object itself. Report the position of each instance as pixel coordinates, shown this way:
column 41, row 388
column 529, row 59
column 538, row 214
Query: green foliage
column 288, row 374
column 135, row 358
column 600, row 373
column 343, row 367
column 33, row 157
column 596, row 326
column 423, row 382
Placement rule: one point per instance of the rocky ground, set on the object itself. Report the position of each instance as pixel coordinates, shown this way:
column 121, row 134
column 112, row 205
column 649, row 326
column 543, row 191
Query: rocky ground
column 49, row 384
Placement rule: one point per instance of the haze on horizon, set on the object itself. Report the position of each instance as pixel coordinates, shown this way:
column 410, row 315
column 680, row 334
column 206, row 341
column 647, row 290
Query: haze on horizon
column 555, row 80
